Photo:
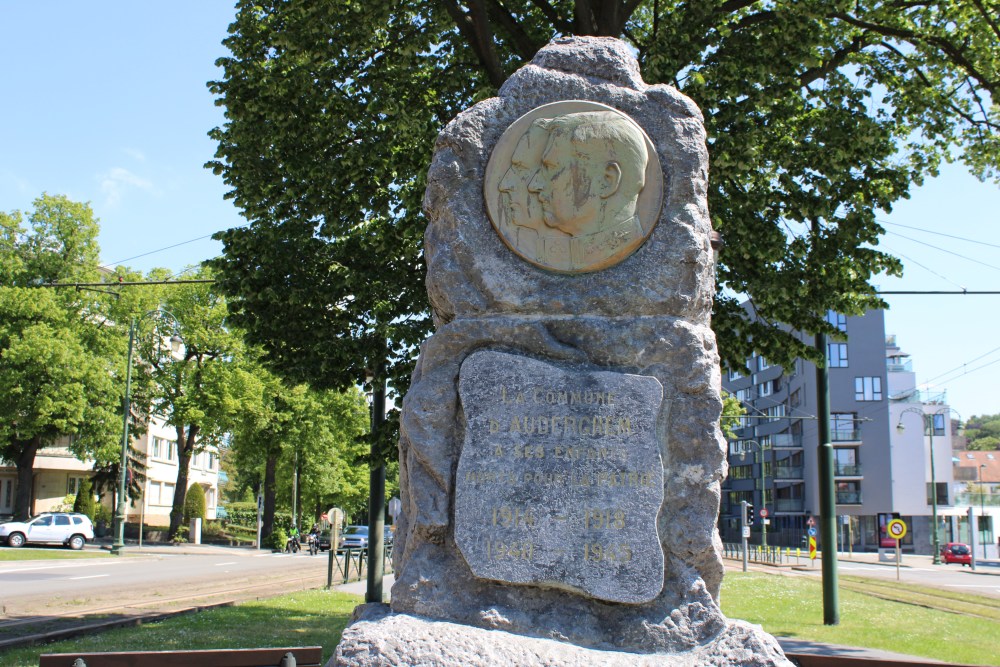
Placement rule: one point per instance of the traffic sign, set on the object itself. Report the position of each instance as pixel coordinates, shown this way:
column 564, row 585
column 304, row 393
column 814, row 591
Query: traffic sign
column 764, row 513
column 810, row 522
column 746, row 531
column 896, row 529
column 812, row 547
column 812, row 532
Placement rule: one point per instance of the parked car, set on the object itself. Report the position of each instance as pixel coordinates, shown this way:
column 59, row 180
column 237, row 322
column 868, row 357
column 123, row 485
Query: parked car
column 324, row 539
column 388, row 534
column 956, row 552
column 354, row 537
column 67, row 528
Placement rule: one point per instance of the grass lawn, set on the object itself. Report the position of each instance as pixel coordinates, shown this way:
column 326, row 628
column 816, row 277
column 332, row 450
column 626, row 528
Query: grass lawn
column 27, row 553
column 785, row 606
column 304, row 618
column 793, row 607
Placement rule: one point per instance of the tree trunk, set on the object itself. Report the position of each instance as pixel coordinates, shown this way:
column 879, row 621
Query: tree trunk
column 185, row 450
column 25, row 477
column 270, row 472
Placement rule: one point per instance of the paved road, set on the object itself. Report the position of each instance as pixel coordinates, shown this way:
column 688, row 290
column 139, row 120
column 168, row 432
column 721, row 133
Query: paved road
column 919, row 570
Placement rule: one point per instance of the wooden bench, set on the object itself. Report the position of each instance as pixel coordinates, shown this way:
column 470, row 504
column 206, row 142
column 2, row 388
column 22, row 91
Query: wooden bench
column 307, row 656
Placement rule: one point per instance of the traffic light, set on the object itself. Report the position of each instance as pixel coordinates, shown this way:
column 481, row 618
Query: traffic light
column 750, row 515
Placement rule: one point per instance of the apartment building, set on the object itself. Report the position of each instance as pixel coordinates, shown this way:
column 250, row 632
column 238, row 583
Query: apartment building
column 58, row 473
column 879, row 472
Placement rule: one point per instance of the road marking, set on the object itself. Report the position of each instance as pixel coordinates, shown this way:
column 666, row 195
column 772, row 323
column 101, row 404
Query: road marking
column 92, row 576
column 232, row 562
column 62, row 566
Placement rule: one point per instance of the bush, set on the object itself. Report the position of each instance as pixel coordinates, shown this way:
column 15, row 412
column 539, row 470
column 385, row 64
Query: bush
column 66, row 505
column 102, row 514
column 84, row 503
column 245, row 514
column 276, row 540
column 194, row 503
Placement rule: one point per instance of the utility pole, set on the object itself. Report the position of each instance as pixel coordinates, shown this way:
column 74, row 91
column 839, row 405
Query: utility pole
column 827, row 493
column 376, row 499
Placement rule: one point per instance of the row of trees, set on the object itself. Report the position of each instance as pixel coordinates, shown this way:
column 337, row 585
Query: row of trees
column 63, row 354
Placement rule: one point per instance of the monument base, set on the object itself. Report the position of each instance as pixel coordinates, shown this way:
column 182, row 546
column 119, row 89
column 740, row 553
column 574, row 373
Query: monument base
column 379, row 638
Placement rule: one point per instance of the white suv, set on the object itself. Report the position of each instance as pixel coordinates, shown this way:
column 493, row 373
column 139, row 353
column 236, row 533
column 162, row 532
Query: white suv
column 68, row 528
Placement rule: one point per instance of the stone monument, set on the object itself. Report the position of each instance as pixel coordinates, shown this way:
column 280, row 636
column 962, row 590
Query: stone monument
column 560, row 451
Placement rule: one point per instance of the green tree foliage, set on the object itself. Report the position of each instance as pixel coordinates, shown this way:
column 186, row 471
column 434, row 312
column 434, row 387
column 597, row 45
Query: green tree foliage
column 732, row 411
column 198, row 383
column 60, row 350
column 320, row 432
column 983, row 433
column 819, row 113
column 194, row 503
column 84, row 503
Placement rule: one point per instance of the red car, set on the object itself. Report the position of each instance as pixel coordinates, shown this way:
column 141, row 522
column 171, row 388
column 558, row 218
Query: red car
column 956, row 552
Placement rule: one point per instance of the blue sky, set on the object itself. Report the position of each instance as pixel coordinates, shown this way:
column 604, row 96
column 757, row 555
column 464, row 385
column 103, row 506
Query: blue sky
column 106, row 102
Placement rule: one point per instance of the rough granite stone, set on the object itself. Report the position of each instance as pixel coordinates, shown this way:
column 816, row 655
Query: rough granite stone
column 638, row 331
column 378, row 638
column 560, row 477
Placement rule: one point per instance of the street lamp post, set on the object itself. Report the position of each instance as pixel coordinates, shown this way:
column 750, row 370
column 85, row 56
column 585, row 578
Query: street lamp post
column 122, row 508
column 982, row 510
column 763, row 490
column 927, row 421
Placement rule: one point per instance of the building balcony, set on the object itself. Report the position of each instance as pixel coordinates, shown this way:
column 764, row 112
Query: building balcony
column 786, row 441
column 975, row 500
column 788, row 504
column 787, row 472
column 845, row 470
column 848, row 497
column 845, row 435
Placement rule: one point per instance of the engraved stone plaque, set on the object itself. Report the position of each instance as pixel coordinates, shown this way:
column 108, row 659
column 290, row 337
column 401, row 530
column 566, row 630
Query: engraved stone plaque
column 560, row 478
column 573, row 186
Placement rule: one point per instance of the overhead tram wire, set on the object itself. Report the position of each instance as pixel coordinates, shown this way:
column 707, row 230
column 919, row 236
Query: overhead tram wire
column 978, row 242
column 960, row 256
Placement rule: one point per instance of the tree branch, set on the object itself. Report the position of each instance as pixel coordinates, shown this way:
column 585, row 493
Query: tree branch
column 557, row 21
column 989, row 17
column 474, row 28
column 954, row 53
column 838, row 58
column 523, row 44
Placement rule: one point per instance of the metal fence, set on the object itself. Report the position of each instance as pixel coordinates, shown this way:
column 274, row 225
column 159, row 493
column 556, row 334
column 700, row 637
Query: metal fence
column 769, row 555
column 347, row 565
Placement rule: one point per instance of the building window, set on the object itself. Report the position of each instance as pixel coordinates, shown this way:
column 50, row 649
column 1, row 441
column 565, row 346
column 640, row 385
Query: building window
column 837, row 320
column 744, row 395
column 942, row 493
column 848, row 493
column 741, row 472
column 764, row 389
column 735, row 375
column 939, row 424
column 795, row 399
column 73, row 485
column 167, row 496
column 843, row 427
column 776, row 412
column 836, row 355
column 762, row 363
column 867, row 389
column 171, row 450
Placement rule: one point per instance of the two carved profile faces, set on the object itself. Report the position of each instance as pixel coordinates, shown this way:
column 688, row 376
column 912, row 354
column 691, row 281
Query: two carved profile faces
column 573, row 186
